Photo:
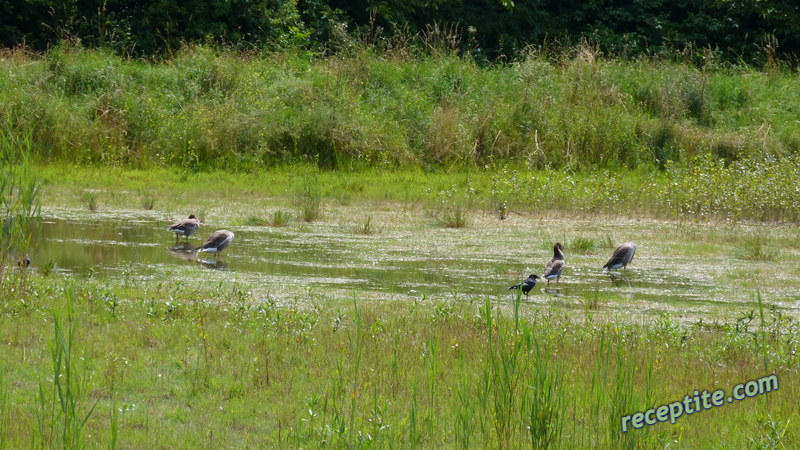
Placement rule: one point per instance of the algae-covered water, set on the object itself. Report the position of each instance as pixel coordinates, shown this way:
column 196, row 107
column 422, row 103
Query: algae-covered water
column 690, row 272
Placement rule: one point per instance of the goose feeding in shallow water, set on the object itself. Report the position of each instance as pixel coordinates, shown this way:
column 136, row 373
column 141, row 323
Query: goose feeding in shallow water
column 217, row 242
column 185, row 227
column 555, row 266
column 622, row 256
column 526, row 285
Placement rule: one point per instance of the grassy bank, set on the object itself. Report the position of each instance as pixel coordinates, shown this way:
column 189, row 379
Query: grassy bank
column 238, row 371
column 707, row 191
column 206, row 109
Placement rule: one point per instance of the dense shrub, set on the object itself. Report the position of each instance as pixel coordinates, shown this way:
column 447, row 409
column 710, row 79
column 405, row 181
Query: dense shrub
column 207, row 108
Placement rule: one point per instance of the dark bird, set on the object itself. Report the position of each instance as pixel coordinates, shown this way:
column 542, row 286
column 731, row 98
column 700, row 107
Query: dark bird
column 526, row 285
column 217, row 242
column 26, row 262
column 622, row 256
column 185, row 227
column 556, row 265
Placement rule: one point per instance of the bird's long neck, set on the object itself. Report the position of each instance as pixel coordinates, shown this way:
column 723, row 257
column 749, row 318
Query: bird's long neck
column 557, row 253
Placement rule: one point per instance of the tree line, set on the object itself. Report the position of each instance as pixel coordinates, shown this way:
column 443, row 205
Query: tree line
column 738, row 30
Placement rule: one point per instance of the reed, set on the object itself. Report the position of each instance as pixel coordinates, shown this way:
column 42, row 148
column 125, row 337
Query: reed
column 61, row 404
column 20, row 209
column 279, row 219
column 308, row 198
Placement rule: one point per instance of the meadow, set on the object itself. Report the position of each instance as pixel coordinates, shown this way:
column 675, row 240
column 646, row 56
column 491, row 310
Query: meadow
column 742, row 192
column 163, row 360
column 696, row 162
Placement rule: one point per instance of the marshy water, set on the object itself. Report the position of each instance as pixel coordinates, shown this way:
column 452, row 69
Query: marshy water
column 305, row 261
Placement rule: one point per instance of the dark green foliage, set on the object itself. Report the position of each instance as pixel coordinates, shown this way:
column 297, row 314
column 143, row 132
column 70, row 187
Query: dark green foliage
column 761, row 32
column 152, row 26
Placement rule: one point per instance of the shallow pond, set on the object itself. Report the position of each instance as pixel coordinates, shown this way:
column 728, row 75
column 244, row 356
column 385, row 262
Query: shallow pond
column 403, row 261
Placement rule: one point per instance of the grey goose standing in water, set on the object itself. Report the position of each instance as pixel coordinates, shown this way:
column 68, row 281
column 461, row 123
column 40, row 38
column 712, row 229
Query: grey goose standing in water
column 185, row 227
column 555, row 266
column 622, row 256
column 526, row 285
column 217, row 242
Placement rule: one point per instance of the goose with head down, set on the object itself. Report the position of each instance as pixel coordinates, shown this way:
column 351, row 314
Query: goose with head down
column 622, row 256
column 217, row 242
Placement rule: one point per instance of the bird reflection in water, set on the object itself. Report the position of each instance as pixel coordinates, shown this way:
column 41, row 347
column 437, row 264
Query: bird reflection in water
column 619, row 279
column 213, row 264
column 187, row 251
column 183, row 250
column 183, row 247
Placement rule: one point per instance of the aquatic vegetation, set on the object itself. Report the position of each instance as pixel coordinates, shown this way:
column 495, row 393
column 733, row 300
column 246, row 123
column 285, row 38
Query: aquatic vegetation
column 308, row 198
column 147, row 200
column 20, row 208
column 89, row 199
column 591, row 300
column 367, row 228
column 279, row 219
column 581, row 244
column 450, row 206
column 757, row 248
column 454, row 217
column 299, row 363
column 256, row 221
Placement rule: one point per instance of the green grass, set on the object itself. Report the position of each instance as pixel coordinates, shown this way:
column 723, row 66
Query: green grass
column 279, row 219
column 255, row 221
column 584, row 133
column 309, row 199
column 90, row 200
column 367, row 228
column 717, row 194
column 454, row 217
column 757, row 248
column 239, row 371
column 591, row 300
column 157, row 363
column 20, row 192
column 204, row 109
column 62, row 409
column 582, row 245
column 147, row 201
column 154, row 362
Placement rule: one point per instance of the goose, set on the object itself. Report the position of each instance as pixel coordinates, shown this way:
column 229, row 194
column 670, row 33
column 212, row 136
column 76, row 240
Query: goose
column 526, row 285
column 556, row 265
column 622, row 256
column 185, row 227
column 217, row 242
